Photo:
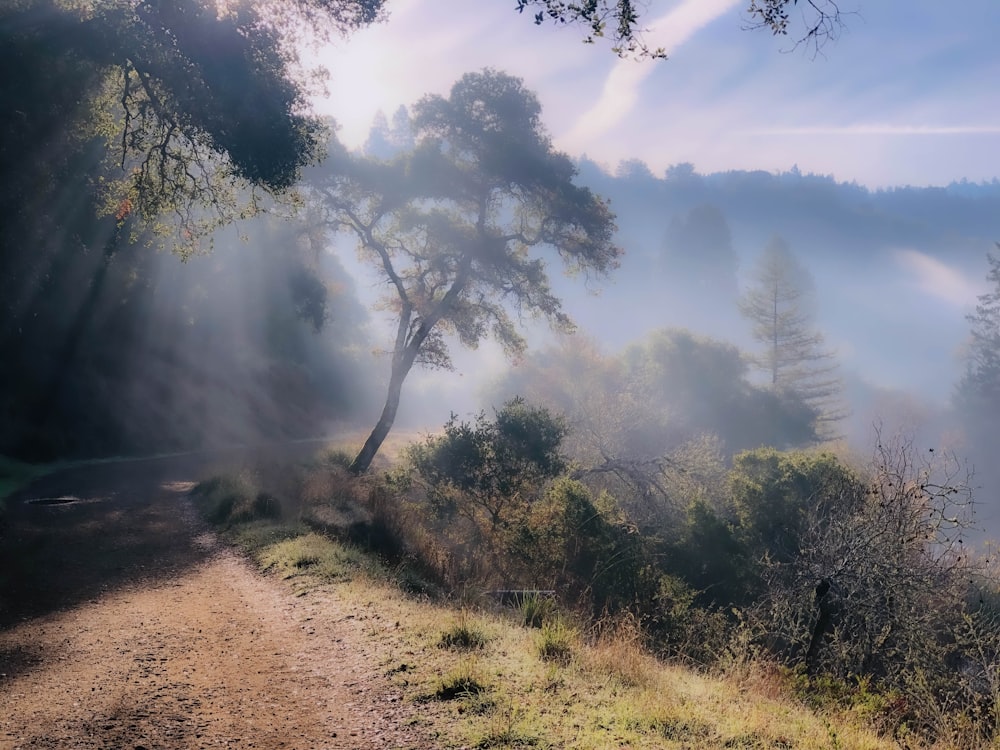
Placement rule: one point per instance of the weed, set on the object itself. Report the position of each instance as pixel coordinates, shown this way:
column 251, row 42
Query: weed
column 463, row 635
column 314, row 555
column 233, row 499
column 557, row 642
column 536, row 609
column 463, row 682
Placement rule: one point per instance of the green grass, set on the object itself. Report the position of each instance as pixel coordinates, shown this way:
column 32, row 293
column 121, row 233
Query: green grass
column 315, row 556
column 536, row 609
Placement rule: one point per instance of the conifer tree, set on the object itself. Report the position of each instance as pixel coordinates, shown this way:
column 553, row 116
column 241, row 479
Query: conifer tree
column 978, row 394
column 793, row 354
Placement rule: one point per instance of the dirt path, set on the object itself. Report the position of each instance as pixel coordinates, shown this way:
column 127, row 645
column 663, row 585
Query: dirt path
column 138, row 632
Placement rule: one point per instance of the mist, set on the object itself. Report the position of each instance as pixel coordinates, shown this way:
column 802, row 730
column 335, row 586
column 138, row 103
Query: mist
column 120, row 340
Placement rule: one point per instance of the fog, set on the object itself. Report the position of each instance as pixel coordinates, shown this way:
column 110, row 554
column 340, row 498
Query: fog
column 276, row 328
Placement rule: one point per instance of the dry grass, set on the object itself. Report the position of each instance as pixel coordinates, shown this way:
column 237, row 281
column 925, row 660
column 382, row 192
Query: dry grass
column 609, row 695
column 499, row 684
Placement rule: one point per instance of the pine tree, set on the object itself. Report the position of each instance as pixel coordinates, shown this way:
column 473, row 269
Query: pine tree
column 793, row 355
column 978, row 392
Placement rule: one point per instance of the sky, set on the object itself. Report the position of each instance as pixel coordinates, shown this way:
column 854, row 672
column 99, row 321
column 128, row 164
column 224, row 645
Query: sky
column 906, row 95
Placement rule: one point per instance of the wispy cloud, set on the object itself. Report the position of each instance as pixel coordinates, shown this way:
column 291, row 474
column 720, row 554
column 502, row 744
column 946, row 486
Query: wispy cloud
column 876, row 129
column 621, row 87
column 937, row 279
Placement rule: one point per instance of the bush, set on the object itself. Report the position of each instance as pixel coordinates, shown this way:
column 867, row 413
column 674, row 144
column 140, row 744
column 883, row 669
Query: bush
column 875, row 588
column 488, row 470
column 536, row 609
column 585, row 550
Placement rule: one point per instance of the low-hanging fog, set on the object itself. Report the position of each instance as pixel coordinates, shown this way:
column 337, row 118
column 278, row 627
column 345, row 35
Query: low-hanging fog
column 278, row 330
column 894, row 274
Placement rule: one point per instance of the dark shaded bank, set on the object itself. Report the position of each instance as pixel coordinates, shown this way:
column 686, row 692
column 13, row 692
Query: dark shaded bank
column 74, row 535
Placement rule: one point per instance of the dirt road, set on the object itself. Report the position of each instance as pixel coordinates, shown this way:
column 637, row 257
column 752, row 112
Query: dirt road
column 123, row 624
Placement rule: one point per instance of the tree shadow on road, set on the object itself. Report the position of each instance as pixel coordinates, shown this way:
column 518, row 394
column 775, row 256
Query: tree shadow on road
column 74, row 536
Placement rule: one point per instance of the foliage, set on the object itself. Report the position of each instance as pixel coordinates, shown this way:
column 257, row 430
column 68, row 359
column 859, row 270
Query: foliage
column 820, row 18
column 585, row 550
column 703, row 384
column 774, row 497
column 168, row 85
column 536, row 610
column 655, row 425
column 720, row 579
column 134, row 352
column 493, row 466
column 452, row 225
column 871, row 582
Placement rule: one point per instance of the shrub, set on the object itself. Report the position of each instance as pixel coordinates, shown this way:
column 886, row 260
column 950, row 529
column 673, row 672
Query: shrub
column 487, row 470
column 585, row 550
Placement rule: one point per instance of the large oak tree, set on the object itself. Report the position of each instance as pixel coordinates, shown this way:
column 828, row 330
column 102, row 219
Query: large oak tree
column 462, row 226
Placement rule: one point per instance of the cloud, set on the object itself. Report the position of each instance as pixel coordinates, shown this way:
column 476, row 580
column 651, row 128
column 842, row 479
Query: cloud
column 876, row 129
column 621, row 87
column 938, row 280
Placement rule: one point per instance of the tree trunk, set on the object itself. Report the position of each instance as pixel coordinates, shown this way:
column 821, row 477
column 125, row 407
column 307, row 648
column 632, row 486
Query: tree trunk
column 402, row 362
column 364, row 459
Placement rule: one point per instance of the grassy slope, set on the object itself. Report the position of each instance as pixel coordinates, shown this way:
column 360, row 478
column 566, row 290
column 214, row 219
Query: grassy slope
column 604, row 694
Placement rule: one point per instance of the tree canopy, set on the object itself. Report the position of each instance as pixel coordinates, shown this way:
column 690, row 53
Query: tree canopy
column 190, row 103
column 817, row 21
column 456, row 225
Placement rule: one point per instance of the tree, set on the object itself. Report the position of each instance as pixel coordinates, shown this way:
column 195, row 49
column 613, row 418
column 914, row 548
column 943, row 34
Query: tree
column 875, row 579
column 978, row 392
column 654, row 425
column 820, row 21
column 777, row 304
column 456, row 225
column 193, row 101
